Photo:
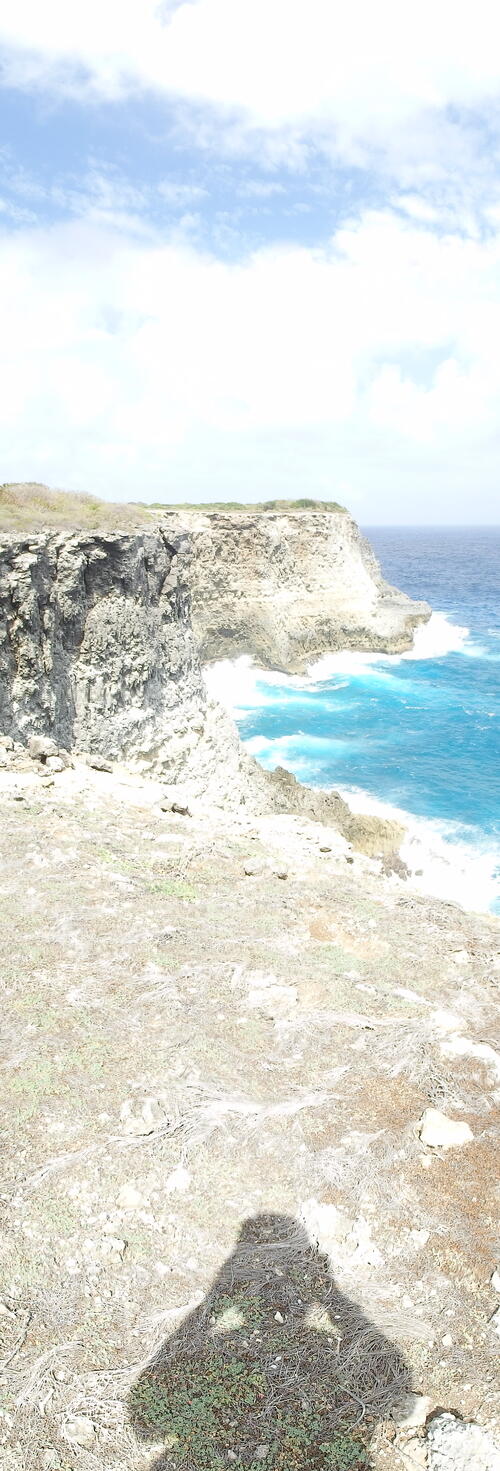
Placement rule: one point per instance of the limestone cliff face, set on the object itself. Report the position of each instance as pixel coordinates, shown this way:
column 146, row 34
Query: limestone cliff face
column 102, row 636
column 288, row 588
column 97, row 651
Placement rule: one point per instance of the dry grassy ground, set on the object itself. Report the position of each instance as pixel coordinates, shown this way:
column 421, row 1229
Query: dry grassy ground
column 222, row 1239
column 31, row 507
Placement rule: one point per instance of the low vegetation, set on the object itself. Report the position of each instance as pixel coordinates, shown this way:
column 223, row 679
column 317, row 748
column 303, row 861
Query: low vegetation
column 305, row 503
column 33, row 507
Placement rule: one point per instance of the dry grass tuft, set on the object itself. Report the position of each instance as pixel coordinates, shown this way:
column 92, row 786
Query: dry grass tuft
column 33, row 507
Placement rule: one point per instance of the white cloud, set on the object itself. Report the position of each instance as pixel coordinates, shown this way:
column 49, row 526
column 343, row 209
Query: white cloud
column 352, row 72
column 139, row 369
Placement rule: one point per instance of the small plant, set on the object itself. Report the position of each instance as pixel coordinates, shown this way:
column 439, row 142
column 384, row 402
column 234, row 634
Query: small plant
column 210, row 1407
column 175, row 888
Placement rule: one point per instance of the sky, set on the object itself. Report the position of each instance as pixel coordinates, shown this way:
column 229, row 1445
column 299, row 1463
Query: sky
column 251, row 249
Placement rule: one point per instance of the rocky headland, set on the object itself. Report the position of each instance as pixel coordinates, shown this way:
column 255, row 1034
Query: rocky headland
column 287, row 588
column 249, row 1078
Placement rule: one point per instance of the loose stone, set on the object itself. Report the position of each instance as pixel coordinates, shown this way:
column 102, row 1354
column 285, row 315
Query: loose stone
column 440, row 1132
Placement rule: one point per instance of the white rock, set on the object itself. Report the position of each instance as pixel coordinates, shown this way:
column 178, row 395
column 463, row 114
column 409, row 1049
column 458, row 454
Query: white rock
column 149, row 1118
column 273, row 1000
column 129, row 1198
column 419, row 1238
column 325, row 1225
column 465, row 1047
column 54, row 763
column 453, row 1445
column 153, row 1114
column 175, row 799
column 440, row 1132
column 495, row 1280
column 495, row 1322
column 446, row 1021
column 113, row 1246
column 41, row 746
column 261, row 1453
column 365, row 1252
column 414, row 1454
column 80, row 1431
column 412, row 1410
column 179, row 1179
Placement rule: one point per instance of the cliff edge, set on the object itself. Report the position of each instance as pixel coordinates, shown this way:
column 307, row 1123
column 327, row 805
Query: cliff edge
column 289, row 588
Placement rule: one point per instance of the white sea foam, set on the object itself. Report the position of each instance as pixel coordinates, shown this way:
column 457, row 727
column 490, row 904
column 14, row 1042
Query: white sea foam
column 438, row 637
column 443, row 858
column 432, row 640
column 240, row 685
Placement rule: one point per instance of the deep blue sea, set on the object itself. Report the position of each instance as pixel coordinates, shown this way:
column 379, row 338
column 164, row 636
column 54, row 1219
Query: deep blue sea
column 418, row 733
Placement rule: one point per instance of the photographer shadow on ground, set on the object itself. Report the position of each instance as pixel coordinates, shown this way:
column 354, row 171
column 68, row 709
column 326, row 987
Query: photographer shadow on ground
column 275, row 1367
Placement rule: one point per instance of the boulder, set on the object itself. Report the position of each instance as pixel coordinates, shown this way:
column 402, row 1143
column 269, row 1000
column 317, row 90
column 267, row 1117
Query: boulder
column 440, row 1132
column 80, row 1431
column 175, row 799
column 40, row 747
column 455, row 1445
column 54, row 763
column 412, row 1410
column 99, row 763
column 129, row 1198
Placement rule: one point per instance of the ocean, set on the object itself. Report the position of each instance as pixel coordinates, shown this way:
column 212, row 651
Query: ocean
column 416, row 735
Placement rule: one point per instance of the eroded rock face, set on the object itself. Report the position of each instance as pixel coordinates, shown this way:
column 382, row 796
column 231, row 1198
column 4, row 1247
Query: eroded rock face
column 97, row 653
column 373, row 836
column 101, row 635
column 288, row 588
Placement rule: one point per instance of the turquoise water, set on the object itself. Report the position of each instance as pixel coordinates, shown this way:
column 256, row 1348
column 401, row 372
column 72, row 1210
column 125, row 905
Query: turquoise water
column 419, row 734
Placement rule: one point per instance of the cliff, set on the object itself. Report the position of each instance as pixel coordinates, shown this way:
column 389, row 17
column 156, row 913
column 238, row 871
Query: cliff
column 102, row 635
column 97, row 651
column 288, row 588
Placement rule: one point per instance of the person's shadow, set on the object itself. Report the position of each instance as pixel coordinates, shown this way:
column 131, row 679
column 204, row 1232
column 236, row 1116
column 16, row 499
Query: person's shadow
column 275, row 1367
